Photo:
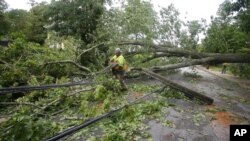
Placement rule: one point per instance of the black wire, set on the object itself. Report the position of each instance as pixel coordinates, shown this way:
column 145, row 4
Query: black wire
column 89, row 122
column 42, row 87
column 17, row 90
column 105, row 115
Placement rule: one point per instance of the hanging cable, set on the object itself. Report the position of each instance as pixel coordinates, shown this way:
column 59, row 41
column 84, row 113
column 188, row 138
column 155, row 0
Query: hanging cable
column 42, row 87
column 105, row 115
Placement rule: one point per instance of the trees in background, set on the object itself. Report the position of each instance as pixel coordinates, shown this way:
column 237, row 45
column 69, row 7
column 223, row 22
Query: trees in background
column 37, row 18
column 229, row 32
column 138, row 20
column 18, row 21
column 78, row 18
column 169, row 27
column 29, row 23
column 4, row 25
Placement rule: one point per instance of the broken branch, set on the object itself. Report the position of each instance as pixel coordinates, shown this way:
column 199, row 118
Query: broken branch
column 87, row 50
column 69, row 62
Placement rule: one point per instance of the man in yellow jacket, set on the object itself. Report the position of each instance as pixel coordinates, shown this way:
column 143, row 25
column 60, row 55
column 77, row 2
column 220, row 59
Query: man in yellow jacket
column 118, row 67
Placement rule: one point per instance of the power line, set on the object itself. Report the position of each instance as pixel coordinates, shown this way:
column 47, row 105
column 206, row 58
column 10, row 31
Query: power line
column 42, row 87
column 85, row 124
column 45, row 87
column 92, row 121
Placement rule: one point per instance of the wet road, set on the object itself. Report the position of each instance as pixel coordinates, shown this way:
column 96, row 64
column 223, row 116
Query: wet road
column 194, row 122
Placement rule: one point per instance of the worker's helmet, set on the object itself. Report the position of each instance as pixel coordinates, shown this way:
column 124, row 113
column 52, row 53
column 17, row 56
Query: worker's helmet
column 118, row 50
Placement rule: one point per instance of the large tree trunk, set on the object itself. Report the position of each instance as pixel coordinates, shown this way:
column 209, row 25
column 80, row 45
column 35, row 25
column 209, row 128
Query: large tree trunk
column 226, row 58
column 188, row 92
column 165, row 51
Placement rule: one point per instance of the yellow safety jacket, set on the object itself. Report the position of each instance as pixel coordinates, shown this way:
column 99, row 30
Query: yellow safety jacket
column 120, row 61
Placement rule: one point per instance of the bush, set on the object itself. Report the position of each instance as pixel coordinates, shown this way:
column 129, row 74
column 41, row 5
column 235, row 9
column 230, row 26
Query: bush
column 241, row 70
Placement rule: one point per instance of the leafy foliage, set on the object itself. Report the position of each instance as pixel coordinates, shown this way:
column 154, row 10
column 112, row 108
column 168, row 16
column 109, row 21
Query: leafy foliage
column 41, row 123
column 31, row 129
column 76, row 17
column 170, row 26
column 223, row 38
column 241, row 10
column 23, row 60
column 229, row 33
column 37, row 22
column 139, row 19
column 4, row 24
column 30, row 23
column 18, row 19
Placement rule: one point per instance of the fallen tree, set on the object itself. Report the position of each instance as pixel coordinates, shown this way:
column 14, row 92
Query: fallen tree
column 69, row 62
column 216, row 59
column 165, row 51
column 187, row 91
column 194, row 58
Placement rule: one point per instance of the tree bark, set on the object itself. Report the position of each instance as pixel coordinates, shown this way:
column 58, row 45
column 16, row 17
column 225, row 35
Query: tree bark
column 188, row 92
column 163, row 49
column 174, row 51
column 201, row 58
column 233, row 58
column 181, row 65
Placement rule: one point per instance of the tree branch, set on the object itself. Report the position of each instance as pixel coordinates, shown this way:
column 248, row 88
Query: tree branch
column 87, row 50
column 83, row 90
column 3, row 62
column 69, row 62
column 58, row 112
column 72, row 94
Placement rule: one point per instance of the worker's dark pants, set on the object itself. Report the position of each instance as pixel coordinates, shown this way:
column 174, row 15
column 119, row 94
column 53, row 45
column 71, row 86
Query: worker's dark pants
column 119, row 74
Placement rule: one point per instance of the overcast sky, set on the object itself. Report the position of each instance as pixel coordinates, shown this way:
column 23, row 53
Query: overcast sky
column 189, row 9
